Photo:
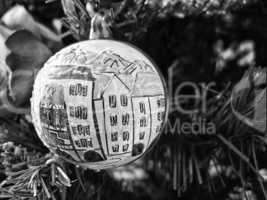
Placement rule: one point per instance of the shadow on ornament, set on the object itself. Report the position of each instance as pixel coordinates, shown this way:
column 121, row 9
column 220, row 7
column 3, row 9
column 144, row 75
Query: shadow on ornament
column 92, row 156
column 138, row 149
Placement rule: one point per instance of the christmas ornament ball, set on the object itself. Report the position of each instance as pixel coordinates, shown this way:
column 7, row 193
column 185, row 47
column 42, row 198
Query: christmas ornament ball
column 99, row 103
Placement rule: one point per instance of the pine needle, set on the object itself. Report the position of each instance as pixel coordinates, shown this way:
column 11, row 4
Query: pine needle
column 236, row 151
column 78, row 174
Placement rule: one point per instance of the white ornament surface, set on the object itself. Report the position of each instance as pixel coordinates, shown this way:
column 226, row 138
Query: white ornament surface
column 99, row 103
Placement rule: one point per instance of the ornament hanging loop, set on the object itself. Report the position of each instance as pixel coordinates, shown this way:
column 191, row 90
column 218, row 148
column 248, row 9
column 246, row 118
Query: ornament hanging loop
column 100, row 27
column 92, row 6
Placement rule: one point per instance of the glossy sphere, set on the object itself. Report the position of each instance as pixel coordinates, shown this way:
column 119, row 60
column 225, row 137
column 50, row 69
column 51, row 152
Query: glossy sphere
column 99, row 103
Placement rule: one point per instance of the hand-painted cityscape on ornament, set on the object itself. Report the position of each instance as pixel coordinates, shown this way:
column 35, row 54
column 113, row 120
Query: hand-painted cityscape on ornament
column 99, row 107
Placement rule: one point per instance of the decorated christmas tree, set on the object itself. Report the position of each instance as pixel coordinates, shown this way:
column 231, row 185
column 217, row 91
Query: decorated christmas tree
column 136, row 99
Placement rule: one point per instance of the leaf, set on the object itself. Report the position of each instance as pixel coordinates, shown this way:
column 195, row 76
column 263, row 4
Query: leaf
column 18, row 18
column 22, row 84
column 27, row 52
column 69, row 8
column 21, row 57
column 5, row 76
column 248, row 99
column 5, row 71
column 4, row 34
column 27, row 56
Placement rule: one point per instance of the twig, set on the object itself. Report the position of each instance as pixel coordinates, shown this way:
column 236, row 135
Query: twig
column 257, row 167
column 236, row 151
column 77, row 172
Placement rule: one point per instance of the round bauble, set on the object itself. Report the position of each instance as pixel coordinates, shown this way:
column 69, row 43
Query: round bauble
column 99, row 103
